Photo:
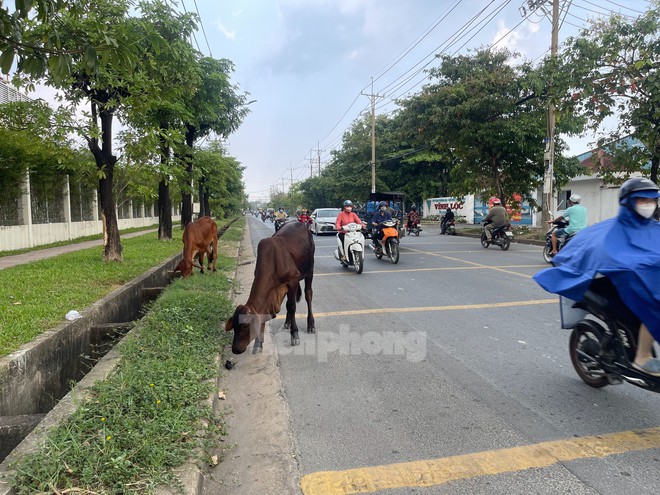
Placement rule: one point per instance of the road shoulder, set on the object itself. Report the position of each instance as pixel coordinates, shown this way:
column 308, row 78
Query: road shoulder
column 259, row 455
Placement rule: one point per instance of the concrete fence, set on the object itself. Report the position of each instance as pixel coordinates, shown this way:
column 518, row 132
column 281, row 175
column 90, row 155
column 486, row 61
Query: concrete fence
column 33, row 230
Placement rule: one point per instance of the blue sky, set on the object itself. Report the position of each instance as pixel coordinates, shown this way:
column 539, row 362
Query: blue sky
column 305, row 62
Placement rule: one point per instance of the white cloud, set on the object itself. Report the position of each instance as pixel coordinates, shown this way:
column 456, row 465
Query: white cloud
column 229, row 34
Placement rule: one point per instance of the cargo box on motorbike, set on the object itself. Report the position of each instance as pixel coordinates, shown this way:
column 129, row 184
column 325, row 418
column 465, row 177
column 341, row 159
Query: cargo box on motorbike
column 570, row 316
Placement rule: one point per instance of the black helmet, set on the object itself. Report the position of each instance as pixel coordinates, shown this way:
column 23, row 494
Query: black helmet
column 382, row 203
column 348, row 202
column 636, row 185
column 413, row 208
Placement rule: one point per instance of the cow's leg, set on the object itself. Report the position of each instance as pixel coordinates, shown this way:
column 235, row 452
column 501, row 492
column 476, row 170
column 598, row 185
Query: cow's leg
column 311, row 324
column 291, row 312
column 259, row 340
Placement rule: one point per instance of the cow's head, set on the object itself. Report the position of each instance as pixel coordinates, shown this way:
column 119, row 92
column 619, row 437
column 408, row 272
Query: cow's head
column 246, row 325
column 185, row 267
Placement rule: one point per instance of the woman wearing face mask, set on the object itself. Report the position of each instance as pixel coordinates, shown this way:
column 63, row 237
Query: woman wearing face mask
column 625, row 249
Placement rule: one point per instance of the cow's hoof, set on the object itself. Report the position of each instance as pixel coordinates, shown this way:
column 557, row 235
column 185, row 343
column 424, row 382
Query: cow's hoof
column 257, row 350
column 311, row 330
column 295, row 341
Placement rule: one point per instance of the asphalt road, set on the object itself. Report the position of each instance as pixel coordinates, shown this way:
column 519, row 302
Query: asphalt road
column 448, row 373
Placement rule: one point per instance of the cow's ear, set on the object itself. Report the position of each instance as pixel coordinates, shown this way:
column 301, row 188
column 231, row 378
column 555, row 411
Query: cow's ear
column 229, row 326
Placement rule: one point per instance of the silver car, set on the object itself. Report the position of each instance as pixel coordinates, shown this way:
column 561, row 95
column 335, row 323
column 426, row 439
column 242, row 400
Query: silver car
column 323, row 220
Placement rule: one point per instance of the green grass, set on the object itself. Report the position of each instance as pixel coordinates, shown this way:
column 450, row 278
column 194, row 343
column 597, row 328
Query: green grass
column 73, row 241
column 151, row 414
column 35, row 297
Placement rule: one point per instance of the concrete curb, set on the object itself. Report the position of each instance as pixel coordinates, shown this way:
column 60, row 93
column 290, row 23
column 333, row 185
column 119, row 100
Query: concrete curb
column 259, row 454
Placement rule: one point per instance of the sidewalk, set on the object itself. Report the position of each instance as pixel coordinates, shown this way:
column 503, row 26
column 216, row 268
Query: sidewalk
column 42, row 254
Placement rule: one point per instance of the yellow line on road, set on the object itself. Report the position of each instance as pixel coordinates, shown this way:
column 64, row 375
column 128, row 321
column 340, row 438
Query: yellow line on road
column 429, row 308
column 435, row 472
column 435, row 269
column 479, row 265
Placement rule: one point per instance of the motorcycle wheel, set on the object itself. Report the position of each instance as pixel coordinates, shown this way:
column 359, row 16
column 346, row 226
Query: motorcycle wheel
column 505, row 242
column 358, row 261
column 546, row 254
column 586, row 338
column 379, row 253
column 417, row 232
column 393, row 249
column 484, row 240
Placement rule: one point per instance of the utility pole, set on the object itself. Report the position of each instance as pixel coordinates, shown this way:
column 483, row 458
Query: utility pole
column 373, row 134
column 311, row 164
column 318, row 155
column 549, row 154
column 548, row 200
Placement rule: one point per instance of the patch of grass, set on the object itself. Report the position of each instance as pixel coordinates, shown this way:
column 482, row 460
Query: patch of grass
column 73, row 241
column 35, row 297
column 151, row 414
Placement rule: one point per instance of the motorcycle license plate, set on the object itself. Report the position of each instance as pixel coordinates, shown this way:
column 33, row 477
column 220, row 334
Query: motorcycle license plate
column 509, row 234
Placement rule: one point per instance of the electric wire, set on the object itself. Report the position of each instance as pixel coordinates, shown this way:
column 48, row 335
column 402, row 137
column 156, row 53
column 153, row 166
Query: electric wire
column 201, row 23
column 193, row 34
column 622, row 6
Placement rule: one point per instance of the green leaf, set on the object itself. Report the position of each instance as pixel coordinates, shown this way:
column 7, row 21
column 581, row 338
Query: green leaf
column 90, row 58
column 6, row 60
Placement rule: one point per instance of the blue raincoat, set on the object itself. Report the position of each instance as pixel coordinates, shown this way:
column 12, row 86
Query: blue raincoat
column 626, row 249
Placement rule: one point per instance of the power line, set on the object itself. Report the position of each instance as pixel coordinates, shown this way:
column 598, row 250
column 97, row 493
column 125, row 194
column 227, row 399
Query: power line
column 622, row 6
column 193, row 34
column 201, row 23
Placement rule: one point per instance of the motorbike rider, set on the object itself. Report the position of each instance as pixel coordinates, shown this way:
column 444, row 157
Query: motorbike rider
column 625, row 249
column 381, row 215
column 576, row 214
column 345, row 217
column 304, row 217
column 497, row 217
column 413, row 218
column 280, row 214
column 446, row 218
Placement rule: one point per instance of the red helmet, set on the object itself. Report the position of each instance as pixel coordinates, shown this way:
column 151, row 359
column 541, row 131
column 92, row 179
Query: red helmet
column 496, row 201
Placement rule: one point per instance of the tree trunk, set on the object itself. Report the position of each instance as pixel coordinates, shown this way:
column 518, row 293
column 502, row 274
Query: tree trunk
column 164, row 200
column 105, row 162
column 164, row 211
column 207, row 205
column 655, row 161
column 186, row 190
column 200, row 194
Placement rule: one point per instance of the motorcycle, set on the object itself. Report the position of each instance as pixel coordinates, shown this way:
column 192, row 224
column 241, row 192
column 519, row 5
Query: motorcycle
column 389, row 244
column 449, row 228
column 415, row 229
column 263, row 217
column 278, row 223
column 604, row 339
column 353, row 246
column 501, row 237
column 561, row 241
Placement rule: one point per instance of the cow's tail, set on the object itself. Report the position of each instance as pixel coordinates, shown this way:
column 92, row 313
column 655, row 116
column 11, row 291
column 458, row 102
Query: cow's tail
column 299, row 294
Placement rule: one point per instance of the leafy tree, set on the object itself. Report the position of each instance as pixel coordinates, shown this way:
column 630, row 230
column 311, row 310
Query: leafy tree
column 612, row 70
column 483, row 113
column 54, row 52
column 110, row 87
column 215, row 106
column 221, row 184
column 175, row 72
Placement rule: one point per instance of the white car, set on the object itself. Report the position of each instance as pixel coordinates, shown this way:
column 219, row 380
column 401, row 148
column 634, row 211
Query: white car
column 323, row 220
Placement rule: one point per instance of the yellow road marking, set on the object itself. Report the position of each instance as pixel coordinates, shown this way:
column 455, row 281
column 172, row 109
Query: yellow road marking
column 429, row 308
column 496, row 268
column 435, row 472
column 435, row 269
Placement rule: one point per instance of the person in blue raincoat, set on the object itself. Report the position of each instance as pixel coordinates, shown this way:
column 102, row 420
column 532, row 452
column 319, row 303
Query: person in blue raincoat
column 625, row 249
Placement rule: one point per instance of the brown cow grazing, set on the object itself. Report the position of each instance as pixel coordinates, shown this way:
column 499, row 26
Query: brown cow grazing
column 283, row 260
column 199, row 238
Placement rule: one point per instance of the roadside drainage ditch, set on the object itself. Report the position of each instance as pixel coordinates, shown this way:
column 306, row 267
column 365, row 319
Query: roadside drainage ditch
column 36, row 377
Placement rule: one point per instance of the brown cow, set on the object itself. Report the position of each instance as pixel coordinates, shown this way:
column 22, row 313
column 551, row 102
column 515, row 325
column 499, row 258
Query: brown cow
column 199, row 238
column 283, row 260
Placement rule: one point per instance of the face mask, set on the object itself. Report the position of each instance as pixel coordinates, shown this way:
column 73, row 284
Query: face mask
column 349, row 209
column 382, row 208
column 645, row 211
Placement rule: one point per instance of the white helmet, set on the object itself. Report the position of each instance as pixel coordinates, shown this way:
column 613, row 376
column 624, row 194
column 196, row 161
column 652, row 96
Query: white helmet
column 575, row 198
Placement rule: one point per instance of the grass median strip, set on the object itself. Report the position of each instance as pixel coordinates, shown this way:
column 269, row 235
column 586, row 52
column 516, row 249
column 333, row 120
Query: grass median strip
column 35, row 297
column 151, row 414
